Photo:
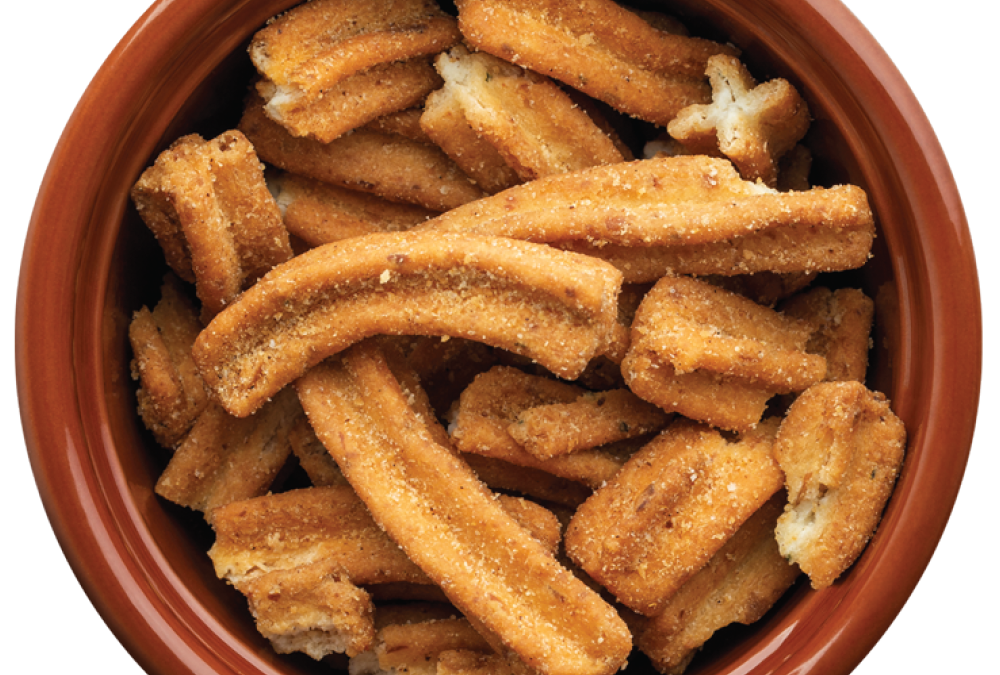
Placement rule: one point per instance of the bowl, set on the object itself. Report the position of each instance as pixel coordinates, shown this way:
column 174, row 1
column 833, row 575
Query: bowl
column 89, row 262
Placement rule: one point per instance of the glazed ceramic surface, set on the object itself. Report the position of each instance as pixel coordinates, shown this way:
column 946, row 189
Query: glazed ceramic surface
column 89, row 262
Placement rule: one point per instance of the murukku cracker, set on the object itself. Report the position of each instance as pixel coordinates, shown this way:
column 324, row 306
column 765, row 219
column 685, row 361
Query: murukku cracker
column 753, row 125
column 715, row 356
column 671, row 507
column 682, row 202
column 319, row 213
column 531, row 122
column 171, row 394
column 598, row 47
column 841, row 448
column 209, row 207
column 306, row 51
column 224, row 459
column 308, row 609
column 354, row 101
column 841, row 322
column 388, row 165
column 592, row 420
column 554, row 307
column 739, row 584
column 446, row 521
column 488, row 407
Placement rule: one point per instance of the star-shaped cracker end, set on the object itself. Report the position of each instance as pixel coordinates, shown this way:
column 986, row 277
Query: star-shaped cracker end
column 751, row 124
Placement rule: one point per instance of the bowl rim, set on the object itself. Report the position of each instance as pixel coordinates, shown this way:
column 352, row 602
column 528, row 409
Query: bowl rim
column 57, row 338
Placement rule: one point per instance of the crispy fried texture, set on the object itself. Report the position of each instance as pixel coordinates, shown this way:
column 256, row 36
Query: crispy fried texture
column 303, row 527
column 226, row 459
column 841, row 324
column 209, row 207
column 308, row 609
column 825, row 248
column 841, row 448
column 171, row 393
column 319, row 213
column 430, row 502
column 388, row 165
column 751, row 124
column 715, row 356
column 531, row 122
column 592, row 420
column 488, row 407
column 354, row 101
column 444, row 122
column 672, row 506
column 308, row 50
column 598, row 47
column 671, row 201
column 738, row 585
column 551, row 306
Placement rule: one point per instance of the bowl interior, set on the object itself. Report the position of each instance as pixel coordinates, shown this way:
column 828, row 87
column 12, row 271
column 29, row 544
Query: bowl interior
column 194, row 79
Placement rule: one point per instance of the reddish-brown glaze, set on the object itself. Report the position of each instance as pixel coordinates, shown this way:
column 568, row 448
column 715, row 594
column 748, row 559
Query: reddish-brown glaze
column 86, row 268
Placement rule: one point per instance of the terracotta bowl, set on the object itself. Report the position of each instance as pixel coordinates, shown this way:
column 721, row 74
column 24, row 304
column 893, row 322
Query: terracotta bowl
column 89, row 262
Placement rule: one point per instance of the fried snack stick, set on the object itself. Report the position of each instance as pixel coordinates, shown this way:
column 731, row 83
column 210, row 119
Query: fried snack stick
column 555, row 307
column 354, row 101
column 534, row 126
column 715, row 356
column 751, row 124
column 488, row 407
column 171, row 394
column 669, row 509
column 597, row 47
column 738, row 585
column 667, row 201
column 226, row 459
column 592, row 420
column 841, row 448
column 309, row 609
column 841, row 322
column 432, row 505
column 208, row 205
column 303, row 527
column 444, row 122
column 781, row 250
column 311, row 48
column 388, row 165
column 319, row 213
column 330, row 526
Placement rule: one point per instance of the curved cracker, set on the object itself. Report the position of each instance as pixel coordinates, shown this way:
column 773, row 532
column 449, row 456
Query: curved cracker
column 665, row 201
column 317, row 44
column 432, row 505
column 555, row 307
column 672, row 506
column 598, row 47
column 841, row 448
